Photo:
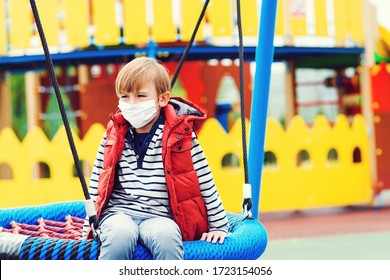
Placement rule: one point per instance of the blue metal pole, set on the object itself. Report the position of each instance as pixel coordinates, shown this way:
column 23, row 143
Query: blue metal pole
column 258, row 119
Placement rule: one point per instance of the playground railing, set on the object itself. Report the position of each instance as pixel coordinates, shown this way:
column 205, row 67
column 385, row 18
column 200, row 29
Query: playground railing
column 74, row 24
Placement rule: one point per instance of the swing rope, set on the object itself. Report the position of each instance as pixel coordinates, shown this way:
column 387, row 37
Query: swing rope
column 247, row 203
column 242, row 96
column 88, row 203
column 189, row 44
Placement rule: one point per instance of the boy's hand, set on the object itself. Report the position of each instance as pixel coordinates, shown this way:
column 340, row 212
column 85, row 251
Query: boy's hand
column 214, row 236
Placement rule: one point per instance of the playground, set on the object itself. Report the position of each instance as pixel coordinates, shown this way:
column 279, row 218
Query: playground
column 317, row 127
column 353, row 233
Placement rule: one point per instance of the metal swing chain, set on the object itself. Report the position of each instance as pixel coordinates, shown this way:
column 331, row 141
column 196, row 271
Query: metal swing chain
column 247, row 203
column 90, row 209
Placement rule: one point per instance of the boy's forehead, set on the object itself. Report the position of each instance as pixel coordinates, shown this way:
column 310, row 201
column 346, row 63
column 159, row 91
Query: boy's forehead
column 134, row 86
column 146, row 87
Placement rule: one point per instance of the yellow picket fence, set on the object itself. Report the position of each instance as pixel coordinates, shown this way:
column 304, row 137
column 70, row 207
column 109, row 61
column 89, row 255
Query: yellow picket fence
column 72, row 24
column 288, row 184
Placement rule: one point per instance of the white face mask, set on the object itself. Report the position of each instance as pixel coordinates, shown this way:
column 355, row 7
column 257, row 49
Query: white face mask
column 138, row 114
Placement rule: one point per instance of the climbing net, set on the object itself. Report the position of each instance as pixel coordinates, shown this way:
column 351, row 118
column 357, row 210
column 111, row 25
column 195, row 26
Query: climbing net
column 71, row 228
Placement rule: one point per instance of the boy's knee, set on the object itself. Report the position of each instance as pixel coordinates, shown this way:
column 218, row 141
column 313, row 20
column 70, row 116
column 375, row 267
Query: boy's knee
column 161, row 231
column 119, row 229
column 163, row 238
column 119, row 237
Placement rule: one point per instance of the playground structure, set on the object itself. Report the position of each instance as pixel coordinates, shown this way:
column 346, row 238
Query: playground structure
column 312, row 167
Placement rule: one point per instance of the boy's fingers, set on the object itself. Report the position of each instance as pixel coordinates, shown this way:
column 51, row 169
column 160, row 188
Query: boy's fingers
column 221, row 239
column 213, row 237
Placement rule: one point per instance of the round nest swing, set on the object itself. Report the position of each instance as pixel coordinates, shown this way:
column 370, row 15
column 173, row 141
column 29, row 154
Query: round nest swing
column 54, row 231
column 35, row 233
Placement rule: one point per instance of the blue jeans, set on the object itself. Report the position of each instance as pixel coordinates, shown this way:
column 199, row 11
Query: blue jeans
column 119, row 234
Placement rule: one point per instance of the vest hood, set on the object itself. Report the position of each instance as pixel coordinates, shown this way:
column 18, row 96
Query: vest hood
column 183, row 108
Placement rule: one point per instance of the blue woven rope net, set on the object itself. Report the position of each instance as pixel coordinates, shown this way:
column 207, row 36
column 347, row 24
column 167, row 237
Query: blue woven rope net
column 247, row 238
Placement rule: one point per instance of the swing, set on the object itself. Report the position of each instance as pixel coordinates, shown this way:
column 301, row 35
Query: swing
column 246, row 240
column 53, row 231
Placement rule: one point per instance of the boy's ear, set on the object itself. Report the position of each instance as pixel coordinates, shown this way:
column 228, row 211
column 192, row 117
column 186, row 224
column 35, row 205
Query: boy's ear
column 164, row 99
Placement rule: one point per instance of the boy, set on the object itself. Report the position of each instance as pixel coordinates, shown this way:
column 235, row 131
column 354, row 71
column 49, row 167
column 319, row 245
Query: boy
column 151, row 181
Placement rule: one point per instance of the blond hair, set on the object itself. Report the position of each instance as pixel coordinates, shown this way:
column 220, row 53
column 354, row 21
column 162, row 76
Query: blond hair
column 138, row 72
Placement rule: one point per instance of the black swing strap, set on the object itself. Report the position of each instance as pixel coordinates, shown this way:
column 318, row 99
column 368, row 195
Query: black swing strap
column 90, row 209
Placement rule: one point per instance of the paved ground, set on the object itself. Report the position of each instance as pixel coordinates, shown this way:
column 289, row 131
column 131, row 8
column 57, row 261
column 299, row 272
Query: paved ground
column 350, row 233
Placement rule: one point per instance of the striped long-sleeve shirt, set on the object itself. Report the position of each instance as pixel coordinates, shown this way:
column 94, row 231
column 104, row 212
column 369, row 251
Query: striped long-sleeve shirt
column 140, row 188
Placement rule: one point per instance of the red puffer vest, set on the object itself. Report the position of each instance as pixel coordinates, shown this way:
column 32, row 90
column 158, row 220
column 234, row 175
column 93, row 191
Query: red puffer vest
column 186, row 203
